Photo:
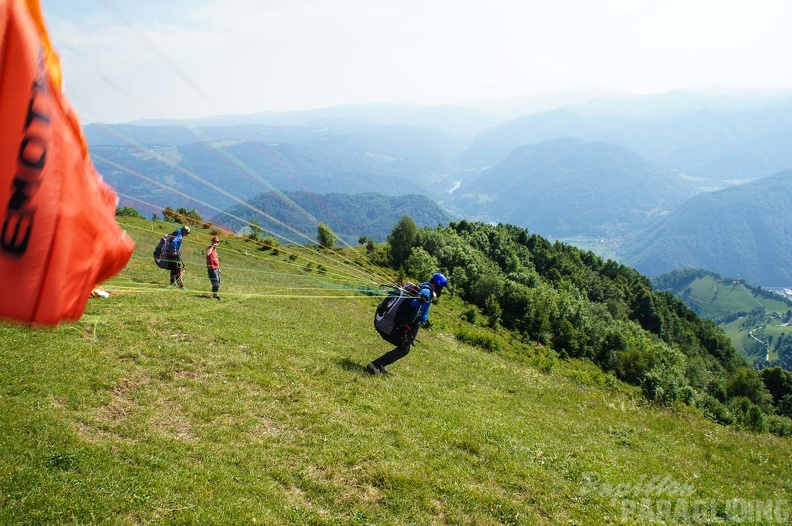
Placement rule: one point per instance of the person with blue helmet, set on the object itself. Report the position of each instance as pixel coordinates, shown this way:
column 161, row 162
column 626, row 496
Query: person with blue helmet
column 173, row 255
column 418, row 316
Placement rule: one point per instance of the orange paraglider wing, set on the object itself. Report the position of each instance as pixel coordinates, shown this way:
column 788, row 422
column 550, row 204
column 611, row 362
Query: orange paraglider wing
column 58, row 234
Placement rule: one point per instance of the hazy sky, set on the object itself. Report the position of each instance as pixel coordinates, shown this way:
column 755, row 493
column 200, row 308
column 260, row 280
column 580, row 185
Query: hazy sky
column 132, row 59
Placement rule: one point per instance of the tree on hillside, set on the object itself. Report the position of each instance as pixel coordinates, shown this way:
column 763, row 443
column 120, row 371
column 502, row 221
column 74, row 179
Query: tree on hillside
column 327, row 238
column 169, row 214
column 255, row 230
column 748, row 384
column 420, row 264
column 127, row 211
column 269, row 242
column 190, row 215
column 401, row 240
column 785, row 406
column 777, row 381
column 182, row 215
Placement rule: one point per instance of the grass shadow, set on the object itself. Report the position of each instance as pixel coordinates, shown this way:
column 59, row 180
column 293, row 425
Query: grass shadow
column 206, row 295
column 349, row 365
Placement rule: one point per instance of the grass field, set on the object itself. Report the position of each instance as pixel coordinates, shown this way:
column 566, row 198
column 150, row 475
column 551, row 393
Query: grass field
column 164, row 406
column 743, row 341
column 716, row 299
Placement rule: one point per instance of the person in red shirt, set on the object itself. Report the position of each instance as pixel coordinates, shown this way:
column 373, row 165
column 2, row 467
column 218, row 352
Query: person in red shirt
column 213, row 267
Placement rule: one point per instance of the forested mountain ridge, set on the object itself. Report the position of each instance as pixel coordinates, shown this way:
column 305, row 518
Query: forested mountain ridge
column 350, row 216
column 565, row 187
column 741, row 232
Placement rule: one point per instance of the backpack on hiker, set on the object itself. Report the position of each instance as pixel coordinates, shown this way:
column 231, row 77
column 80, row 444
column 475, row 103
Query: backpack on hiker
column 163, row 254
column 393, row 318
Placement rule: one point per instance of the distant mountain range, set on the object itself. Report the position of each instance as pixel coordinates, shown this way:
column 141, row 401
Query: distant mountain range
column 619, row 167
column 739, row 232
column 294, row 216
column 565, row 187
column 189, row 168
column 705, row 144
column 454, row 121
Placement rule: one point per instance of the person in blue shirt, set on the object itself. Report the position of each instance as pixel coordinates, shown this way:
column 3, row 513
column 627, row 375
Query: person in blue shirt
column 418, row 316
column 173, row 255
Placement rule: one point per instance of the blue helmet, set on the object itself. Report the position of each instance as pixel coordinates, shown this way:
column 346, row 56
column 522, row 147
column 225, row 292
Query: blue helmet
column 439, row 281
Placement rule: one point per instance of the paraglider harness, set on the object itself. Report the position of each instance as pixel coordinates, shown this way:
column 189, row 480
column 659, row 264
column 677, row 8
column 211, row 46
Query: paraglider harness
column 164, row 253
column 394, row 319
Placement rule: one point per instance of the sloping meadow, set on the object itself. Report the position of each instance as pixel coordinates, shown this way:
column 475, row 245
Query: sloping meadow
column 166, row 406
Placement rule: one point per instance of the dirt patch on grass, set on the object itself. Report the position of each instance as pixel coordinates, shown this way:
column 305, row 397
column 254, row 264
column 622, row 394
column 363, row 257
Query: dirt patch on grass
column 100, row 423
column 93, row 434
column 122, row 399
column 169, row 419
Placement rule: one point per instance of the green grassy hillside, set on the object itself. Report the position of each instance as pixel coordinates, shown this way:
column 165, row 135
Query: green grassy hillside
column 750, row 317
column 750, row 337
column 713, row 298
column 164, row 406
